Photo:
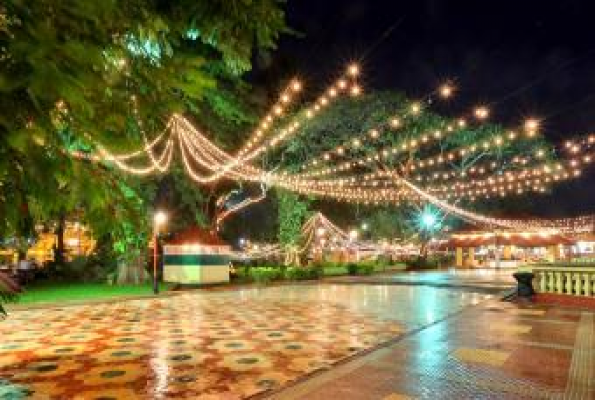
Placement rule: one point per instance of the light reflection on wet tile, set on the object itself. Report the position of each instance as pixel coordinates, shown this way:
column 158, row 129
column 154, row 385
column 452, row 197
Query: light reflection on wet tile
column 230, row 343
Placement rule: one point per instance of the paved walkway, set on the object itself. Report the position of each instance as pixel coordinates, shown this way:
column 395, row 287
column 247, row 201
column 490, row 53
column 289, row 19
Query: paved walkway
column 489, row 280
column 319, row 341
column 222, row 344
column 493, row 351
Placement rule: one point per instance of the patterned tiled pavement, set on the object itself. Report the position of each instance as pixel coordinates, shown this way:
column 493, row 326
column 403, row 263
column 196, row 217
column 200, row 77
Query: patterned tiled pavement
column 493, row 351
column 475, row 279
column 223, row 344
column 316, row 341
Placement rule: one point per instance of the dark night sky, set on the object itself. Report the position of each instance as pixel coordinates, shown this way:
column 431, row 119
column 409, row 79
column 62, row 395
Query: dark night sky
column 525, row 58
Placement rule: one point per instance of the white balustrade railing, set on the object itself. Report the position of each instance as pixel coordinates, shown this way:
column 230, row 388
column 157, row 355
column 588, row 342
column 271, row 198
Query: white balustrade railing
column 575, row 281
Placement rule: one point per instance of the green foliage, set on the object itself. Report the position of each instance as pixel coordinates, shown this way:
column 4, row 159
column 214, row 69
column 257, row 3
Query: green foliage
column 265, row 275
column 430, row 262
column 338, row 124
column 296, row 273
column 68, row 71
column 354, row 117
column 183, row 198
column 241, row 273
column 292, row 214
column 233, row 27
column 389, row 222
column 352, row 268
column 93, row 268
column 269, row 273
column 366, row 267
column 361, row 268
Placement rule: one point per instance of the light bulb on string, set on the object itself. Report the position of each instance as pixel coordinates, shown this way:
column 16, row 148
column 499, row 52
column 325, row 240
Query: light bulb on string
column 481, row 112
column 446, row 90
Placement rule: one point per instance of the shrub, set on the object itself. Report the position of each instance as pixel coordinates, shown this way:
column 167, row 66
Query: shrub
column 328, row 268
column 352, row 268
column 295, row 273
column 266, row 274
column 365, row 268
column 444, row 260
column 316, row 271
column 328, row 264
column 80, row 269
column 430, row 262
column 242, row 273
column 384, row 263
column 291, row 273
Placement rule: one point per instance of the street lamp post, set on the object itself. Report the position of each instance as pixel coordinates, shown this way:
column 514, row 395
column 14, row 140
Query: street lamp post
column 160, row 218
column 365, row 231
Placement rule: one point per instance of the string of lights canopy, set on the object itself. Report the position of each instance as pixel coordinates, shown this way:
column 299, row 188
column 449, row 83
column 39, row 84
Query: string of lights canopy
column 453, row 172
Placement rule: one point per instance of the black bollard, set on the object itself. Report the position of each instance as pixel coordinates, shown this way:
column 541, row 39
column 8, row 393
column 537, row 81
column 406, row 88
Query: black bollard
column 524, row 283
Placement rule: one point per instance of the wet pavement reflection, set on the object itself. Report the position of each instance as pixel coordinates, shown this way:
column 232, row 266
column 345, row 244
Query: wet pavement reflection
column 212, row 344
column 492, row 280
column 495, row 350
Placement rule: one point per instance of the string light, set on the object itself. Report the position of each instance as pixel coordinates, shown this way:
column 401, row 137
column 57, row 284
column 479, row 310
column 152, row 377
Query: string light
column 278, row 109
column 205, row 162
column 353, row 69
column 415, row 108
column 531, row 125
column 481, row 112
column 446, row 90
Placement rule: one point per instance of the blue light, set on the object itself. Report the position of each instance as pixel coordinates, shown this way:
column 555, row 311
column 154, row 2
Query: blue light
column 428, row 219
column 192, row 33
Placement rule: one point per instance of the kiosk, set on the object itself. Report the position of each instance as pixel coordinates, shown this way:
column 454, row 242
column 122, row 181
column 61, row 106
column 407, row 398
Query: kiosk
column 196, row 256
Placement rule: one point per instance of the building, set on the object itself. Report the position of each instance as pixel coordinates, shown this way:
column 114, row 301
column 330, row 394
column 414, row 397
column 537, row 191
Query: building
column 508, row 248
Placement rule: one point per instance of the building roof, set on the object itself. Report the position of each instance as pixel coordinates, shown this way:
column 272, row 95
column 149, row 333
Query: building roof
column 196, row 235
column 519, row 239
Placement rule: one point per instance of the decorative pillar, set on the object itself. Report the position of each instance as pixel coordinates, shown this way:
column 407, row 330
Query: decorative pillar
column 507, row 253
column 554, row 252
column 459, row 257
column 471, row 257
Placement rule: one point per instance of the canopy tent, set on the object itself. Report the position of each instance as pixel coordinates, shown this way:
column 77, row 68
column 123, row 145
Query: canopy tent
column 196, row 256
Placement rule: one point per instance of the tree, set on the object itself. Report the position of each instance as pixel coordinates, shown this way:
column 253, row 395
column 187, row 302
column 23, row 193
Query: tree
column 383, row 131
column 293, row 212
column 74, row 74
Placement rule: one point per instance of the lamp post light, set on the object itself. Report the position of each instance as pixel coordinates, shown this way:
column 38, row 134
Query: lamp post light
column 428, row 221
column 159, row 219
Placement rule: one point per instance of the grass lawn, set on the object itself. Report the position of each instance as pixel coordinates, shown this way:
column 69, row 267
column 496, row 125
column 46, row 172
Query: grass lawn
column 63, row 292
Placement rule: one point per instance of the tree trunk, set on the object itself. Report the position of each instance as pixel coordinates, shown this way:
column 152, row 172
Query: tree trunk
column 59, row 256
column 132, row 271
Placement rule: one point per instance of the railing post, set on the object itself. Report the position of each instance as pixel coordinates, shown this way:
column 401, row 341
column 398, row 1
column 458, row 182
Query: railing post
column 542, row 281
column 572, row 281
column 568, row 283
column 559, row 287
column 551, row 282
column 577, row 284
